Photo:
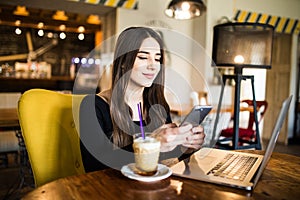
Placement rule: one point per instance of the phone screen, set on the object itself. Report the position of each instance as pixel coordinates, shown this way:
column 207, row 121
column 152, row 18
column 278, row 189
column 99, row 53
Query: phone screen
column 196, row 115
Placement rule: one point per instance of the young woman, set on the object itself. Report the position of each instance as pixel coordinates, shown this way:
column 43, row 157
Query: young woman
column 109, row 119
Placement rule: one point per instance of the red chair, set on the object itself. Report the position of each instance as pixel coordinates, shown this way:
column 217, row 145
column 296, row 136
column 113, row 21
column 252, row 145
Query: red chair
column 246, row 135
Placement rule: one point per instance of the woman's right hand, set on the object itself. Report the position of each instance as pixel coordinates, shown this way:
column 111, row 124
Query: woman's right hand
column 170, row 135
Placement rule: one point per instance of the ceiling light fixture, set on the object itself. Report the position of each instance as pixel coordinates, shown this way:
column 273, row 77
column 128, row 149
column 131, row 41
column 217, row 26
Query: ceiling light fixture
column 93, row 19
column 60, row 15
column 21, row 10
column 185, row 9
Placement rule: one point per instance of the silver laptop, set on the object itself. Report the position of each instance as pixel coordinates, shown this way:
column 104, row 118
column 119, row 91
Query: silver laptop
column 230, row 168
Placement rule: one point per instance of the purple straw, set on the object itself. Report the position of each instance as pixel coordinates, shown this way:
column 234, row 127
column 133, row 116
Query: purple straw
column 141, row 120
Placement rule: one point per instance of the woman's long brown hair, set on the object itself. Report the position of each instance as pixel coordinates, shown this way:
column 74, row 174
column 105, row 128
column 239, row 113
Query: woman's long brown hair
column 155, row 106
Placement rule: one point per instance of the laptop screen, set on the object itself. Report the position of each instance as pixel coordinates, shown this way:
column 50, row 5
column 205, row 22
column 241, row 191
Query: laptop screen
column 274, row 136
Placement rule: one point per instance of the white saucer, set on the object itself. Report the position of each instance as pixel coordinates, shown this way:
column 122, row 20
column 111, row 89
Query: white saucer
column 162, row 173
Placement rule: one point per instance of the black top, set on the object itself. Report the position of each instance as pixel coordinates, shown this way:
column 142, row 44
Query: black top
column 97, row 149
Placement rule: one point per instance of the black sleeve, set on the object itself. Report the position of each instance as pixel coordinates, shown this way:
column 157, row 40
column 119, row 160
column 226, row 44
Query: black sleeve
column 97, row 149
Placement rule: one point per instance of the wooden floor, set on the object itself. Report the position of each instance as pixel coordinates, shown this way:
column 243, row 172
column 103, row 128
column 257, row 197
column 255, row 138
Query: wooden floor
column 11, row 187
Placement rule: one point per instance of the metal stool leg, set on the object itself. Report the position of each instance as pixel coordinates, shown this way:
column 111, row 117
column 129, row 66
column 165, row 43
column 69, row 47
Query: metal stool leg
column 257, row 132
column 25, row 168
column 238, row 77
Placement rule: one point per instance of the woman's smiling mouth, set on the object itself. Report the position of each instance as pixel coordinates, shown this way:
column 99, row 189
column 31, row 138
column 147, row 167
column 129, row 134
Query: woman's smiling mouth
column 149, row 76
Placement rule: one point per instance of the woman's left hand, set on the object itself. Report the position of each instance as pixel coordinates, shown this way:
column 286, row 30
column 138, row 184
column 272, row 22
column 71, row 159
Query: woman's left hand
column 195, row 140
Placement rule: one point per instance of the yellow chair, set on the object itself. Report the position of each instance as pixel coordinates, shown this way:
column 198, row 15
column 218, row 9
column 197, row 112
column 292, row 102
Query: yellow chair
column 49, row 123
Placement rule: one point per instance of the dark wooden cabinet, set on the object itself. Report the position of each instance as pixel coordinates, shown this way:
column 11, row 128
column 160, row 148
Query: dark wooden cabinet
column 10, row 84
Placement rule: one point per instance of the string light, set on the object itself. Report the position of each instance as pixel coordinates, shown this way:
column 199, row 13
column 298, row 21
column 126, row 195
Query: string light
column 40, row 25
column 62, row 35
column 41, row 33
column 62, row 27
column 18, row 31
column 18, row 22
column 80, row 29
column 81, row 36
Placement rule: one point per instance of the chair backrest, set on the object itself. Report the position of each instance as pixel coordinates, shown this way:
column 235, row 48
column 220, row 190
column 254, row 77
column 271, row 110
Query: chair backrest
column 49, row 123
column 261, row 107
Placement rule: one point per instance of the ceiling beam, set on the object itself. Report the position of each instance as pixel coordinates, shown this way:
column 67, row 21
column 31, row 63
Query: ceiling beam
column 68, row 6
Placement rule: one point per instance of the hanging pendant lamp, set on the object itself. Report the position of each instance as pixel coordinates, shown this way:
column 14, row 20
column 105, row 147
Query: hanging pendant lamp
column 185, row 9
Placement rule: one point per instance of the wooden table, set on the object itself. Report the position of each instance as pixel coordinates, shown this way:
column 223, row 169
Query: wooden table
column 280, row 180
column 9, row 118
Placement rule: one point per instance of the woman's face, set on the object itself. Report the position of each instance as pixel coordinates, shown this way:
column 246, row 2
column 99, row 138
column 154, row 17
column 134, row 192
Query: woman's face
column 147, row 63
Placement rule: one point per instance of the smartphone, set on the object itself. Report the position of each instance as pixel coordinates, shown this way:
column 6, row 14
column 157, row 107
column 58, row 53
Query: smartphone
column 196, row 115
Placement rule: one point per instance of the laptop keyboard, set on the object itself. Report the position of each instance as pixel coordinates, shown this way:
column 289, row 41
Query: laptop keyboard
column 233, row 166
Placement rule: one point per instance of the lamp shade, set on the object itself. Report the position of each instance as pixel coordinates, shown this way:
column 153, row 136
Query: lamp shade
column 243, row 45
column 185, row 9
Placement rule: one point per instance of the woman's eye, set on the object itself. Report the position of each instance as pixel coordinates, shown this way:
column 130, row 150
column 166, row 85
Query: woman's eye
column 142, row 57
column 157, row 59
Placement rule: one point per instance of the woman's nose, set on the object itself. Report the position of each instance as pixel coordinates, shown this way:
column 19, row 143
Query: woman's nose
column 151, row 62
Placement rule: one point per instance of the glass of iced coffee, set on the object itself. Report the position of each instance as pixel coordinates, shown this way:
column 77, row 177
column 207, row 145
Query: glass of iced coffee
column 146, row 153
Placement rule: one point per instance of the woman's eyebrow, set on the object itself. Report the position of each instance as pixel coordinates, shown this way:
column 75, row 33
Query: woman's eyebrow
column 145, row 52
